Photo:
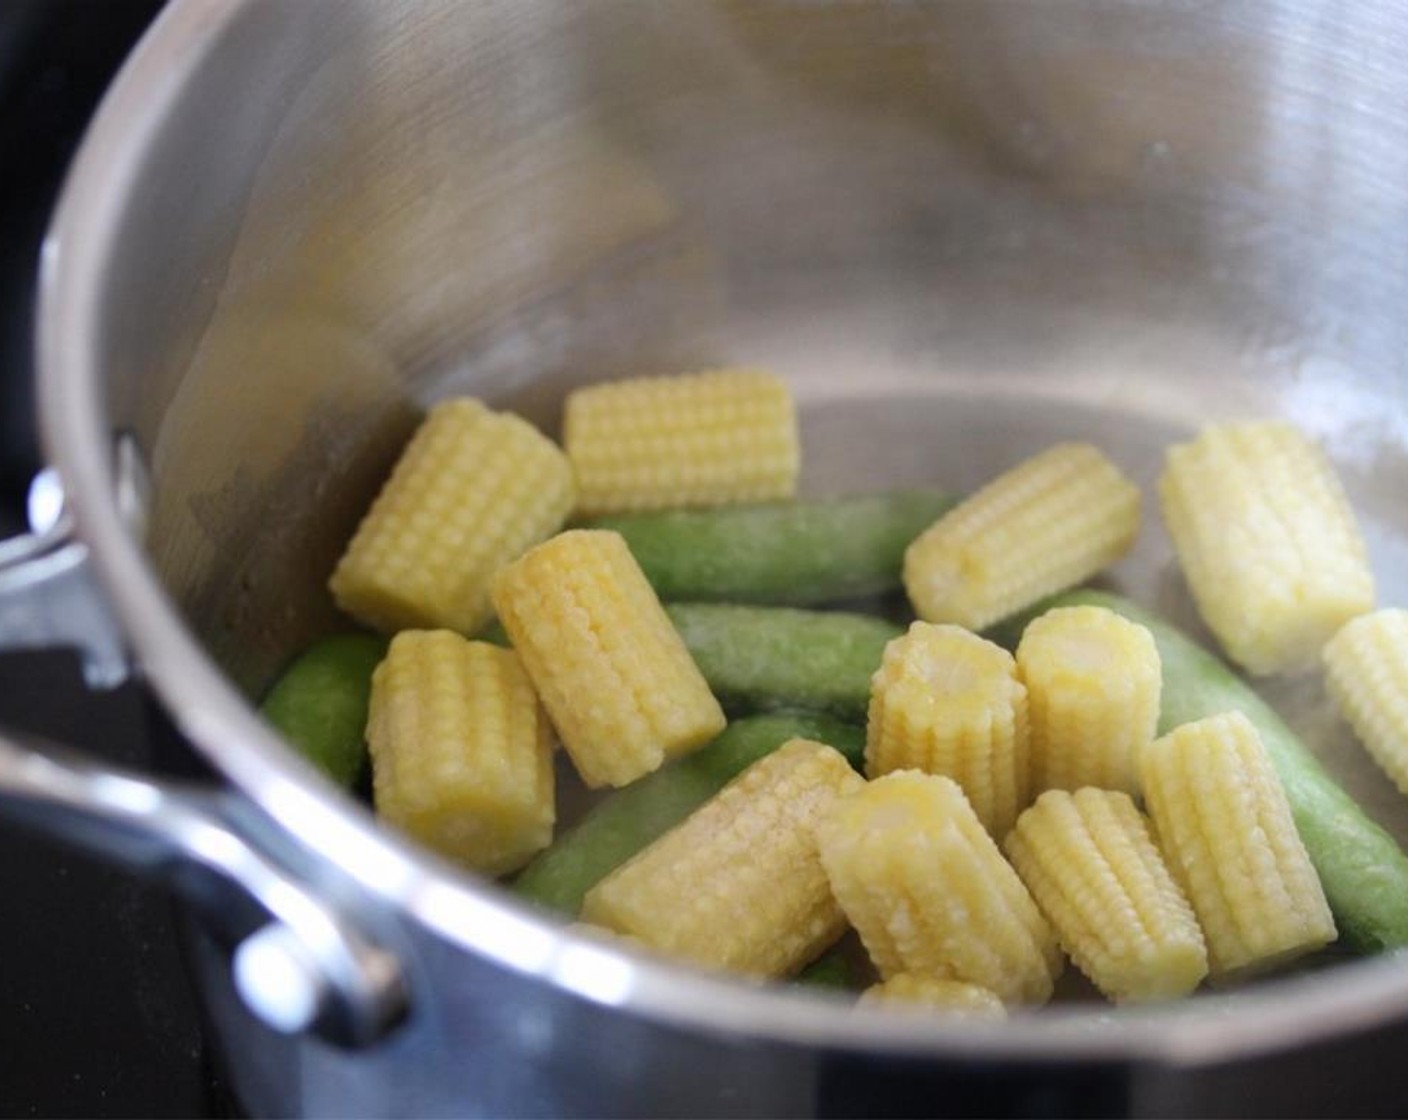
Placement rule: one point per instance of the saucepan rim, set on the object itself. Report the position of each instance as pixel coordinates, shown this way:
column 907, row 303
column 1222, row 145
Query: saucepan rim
column 479, row 917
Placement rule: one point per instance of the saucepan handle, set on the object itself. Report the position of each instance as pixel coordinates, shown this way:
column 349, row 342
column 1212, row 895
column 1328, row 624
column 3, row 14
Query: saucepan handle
column 299, row 964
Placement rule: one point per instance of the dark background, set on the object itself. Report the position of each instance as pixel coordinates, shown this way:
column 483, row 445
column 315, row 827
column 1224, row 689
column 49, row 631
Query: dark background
column 97, row 1017
column 56, row 58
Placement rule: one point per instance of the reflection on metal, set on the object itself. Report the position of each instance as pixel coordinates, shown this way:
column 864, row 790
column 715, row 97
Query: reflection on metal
column 46, row 502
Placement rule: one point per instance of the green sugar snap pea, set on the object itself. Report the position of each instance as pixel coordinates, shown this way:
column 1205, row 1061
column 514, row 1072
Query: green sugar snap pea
column 1363, row 871
column 791, row 553
column 319, row 704
column 756, row 658
column 627, row 820
column 832, row 970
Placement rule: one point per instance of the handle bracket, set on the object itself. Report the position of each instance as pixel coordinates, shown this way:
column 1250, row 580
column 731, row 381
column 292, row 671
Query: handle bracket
column 48, row 597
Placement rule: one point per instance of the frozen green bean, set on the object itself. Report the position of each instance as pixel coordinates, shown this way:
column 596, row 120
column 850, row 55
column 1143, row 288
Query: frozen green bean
column 628, row 819
column 756, row 658
column 759, row 658
column 792, row 553
column 830, row 970
column 319, row 704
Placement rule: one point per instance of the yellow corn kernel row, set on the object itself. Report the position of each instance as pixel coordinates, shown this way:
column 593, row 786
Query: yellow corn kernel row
column 1093, row 868
column 612, row 671
column 461, row 752
column 948, row 702
column 915, row 991
column 1267, row 541
column 1227, row 834
column 738, row 885
column 1043, row 526
column 702, row 439
column 1366, row 669
column 472, row 490
column 929, row 892
column 1094, row 683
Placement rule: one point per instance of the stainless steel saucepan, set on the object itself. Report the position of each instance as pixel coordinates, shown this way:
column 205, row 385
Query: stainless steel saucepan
column 962, row 229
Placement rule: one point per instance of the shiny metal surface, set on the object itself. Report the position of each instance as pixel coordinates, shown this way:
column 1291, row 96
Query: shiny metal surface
column 48, row 596
column 962, row 229
column 337, row 984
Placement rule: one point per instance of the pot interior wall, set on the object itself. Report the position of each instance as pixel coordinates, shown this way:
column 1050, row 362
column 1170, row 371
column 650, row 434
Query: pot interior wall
column 964, row 230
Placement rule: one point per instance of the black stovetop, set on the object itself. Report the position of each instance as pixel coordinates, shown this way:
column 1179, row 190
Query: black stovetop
column 97, row 1017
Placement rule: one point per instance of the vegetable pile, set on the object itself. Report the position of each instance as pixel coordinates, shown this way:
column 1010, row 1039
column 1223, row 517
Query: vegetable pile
column 1027, row 773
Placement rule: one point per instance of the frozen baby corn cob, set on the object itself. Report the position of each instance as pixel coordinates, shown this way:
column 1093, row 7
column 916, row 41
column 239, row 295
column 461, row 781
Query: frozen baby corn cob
column 472, row 490
column 1090, row 863
column 1093, row 682
column 916, row 991
column 1362, row 869
column 1267, row 540
column 928, row 891
column 703, row 439
column 948, row 702
column 612, row 671
column 461, row 751
column 739, row 884
column 1045, row 525
column 627, row 820
column 1366, row 668
column 1226, row 831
